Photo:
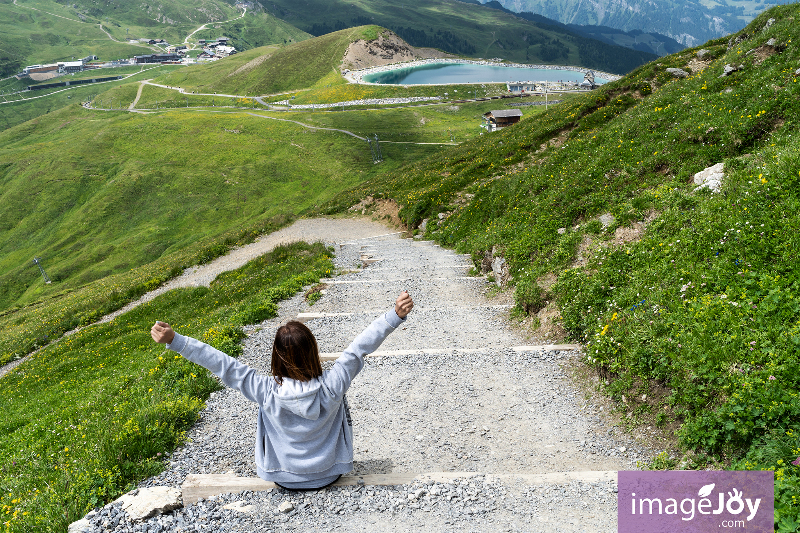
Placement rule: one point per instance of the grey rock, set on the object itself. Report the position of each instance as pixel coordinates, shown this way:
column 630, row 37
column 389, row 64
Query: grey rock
column 772, row 42
column 607, row 219
column 286, row 507
column 678, row 72
column 150, row 501
column 500, row 269
column 79, row 526
column 702, row 53
column 733, row 41
column 729, row 69
column 710, row 178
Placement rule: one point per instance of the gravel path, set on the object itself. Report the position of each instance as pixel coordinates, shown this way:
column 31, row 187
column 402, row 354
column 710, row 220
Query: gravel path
column 478, row 406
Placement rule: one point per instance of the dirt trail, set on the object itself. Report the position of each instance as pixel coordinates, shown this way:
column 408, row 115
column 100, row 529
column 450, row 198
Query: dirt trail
column 317, row 229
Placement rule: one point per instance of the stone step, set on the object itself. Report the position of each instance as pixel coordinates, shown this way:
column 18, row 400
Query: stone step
column 332, row 356
column 420, row 267
column 372, row 237
column 330, row 281
column 197, row 486
column 304, row 317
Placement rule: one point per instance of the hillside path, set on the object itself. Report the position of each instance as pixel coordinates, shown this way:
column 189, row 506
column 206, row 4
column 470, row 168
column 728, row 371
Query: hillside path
column 310, row 230
column 455, row 391
column 244, row 12
column 138, row 95
column 82, row 22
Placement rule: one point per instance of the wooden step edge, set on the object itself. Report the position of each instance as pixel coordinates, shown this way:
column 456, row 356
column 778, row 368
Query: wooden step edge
column 197, row 486
column 332, row 356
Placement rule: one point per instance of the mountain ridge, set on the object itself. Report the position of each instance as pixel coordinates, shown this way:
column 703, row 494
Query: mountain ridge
column 689, row 22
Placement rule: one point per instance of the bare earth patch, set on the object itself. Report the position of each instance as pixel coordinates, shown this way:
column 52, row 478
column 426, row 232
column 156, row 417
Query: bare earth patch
column 387, row 49
column 762, row 53
column 384, row 210
column 250, row 65
column 43, row 76
column 696, row 65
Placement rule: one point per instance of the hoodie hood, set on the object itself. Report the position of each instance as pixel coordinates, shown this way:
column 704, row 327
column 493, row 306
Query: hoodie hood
column 300, row 397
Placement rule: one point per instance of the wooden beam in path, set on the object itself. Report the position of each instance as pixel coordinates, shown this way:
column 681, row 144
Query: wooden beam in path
column 332, row 356
column 198, row 486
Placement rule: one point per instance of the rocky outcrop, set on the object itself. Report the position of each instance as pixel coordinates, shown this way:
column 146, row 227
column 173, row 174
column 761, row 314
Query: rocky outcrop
column 387, row 49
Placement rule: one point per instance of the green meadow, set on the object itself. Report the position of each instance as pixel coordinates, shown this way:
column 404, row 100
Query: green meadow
column 19, row 108
column 215, row 174
column 44, row 32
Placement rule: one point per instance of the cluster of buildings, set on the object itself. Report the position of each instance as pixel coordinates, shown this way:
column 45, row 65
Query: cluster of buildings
column 56, row 69
column 216, row 49
column 173, row 54
column 520, row 87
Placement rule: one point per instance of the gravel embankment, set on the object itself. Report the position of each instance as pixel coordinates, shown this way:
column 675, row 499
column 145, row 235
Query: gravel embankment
column 472, row 405
column 363, row 101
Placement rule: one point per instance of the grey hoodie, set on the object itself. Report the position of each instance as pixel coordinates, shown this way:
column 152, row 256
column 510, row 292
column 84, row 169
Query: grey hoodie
column 303, row 432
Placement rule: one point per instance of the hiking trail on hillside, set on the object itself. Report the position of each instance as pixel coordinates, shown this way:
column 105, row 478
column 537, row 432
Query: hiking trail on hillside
column 458, row 421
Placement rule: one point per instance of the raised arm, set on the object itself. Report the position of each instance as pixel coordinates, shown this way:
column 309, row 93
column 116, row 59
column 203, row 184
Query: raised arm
column 234, row 374
column 350, row 363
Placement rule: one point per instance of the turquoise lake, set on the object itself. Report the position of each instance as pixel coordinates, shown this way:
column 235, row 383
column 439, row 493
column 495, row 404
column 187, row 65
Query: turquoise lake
column 446, row 73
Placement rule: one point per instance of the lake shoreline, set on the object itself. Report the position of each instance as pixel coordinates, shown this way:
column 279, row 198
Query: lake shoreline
column 357, row 76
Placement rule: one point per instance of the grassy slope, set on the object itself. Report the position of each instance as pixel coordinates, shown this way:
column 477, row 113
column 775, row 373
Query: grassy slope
column 136, row 198
column 701, row 313
column 27, row 106
column 335, row 92
column 54, row 32
column 32, row 37
column 96, row 412
column 255, row 30
column 422, row 124
column 267, row 71
column 171, row 20
column 461, row 28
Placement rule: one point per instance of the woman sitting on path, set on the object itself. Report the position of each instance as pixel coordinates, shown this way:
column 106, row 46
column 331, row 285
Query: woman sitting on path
column 304, row 438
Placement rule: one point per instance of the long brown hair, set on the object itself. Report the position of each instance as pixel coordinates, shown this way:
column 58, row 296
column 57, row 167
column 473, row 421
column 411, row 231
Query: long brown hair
column 295, row 353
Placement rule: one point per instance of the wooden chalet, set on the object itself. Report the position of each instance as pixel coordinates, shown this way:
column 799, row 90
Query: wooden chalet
column 501, row 118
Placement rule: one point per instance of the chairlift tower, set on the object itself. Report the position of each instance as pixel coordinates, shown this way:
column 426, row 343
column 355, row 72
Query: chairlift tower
column 375, row 149
column 372, row 151
column 378, row 149
column 38, row 263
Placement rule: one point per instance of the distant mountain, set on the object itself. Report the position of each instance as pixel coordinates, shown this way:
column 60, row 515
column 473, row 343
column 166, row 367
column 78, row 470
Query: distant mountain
column 689, row 22
column 652, row 42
